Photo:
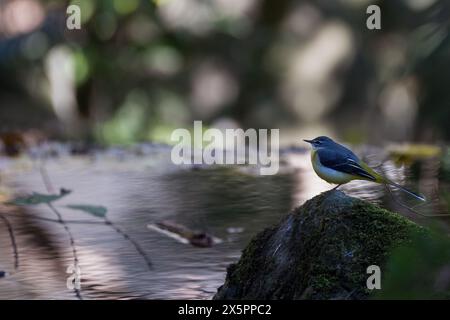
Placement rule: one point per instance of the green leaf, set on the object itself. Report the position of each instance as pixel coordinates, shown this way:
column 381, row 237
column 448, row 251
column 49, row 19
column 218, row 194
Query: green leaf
column 38, row 198
column 98, row 211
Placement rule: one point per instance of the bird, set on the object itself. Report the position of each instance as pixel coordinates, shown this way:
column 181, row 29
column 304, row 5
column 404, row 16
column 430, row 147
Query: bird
column 337, row 164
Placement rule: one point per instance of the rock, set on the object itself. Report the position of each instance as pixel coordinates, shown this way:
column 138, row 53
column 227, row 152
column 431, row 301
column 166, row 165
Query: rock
column 320, row 250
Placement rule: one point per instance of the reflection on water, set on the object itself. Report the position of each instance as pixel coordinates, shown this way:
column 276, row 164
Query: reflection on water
column 142, row 190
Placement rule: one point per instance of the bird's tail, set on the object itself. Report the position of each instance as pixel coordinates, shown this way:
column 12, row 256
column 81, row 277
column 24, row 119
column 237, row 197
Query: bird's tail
column 381, row 179
column 412, row 193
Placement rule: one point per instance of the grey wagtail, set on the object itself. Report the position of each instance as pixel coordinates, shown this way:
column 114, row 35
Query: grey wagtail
column 336, row 164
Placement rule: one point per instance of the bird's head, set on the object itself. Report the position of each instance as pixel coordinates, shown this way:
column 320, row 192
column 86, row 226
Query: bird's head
column 320, row 142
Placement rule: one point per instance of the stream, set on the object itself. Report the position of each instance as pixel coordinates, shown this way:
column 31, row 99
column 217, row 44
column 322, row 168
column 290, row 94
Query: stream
column 230, row 203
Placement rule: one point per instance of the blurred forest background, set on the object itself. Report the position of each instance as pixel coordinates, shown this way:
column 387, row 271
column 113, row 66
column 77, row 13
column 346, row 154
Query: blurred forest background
column 138, row 69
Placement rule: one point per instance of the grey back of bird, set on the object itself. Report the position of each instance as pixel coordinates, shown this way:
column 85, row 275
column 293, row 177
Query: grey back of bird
column 335, row 156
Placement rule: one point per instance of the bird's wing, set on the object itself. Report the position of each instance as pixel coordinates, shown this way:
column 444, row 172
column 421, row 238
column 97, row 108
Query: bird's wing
column 346, row 162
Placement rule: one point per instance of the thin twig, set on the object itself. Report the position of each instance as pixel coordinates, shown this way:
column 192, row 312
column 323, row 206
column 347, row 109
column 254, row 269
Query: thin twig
column 46, row 178
column 72, row 243
column 109, row 223
column 411, row 209
column 13, row 240
column 49, row 187
column 139, row 249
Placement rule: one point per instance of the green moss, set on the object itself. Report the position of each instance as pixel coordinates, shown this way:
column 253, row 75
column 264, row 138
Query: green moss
column 321, row 250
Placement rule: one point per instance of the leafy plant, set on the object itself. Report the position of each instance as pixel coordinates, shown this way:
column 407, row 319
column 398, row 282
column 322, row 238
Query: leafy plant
column 38, row 198
column 97, row 211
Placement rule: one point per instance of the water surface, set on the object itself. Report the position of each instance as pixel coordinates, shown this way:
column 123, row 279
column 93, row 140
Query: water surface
column 142, row 189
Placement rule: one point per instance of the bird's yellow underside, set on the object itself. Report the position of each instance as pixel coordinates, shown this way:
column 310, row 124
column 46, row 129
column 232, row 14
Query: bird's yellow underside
column 337, row 177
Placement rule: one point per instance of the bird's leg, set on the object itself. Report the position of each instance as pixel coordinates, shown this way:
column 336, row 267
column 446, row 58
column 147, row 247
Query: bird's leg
column 336, row 187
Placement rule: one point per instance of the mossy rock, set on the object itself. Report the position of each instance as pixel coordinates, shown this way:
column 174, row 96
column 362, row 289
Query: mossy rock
column 320, row 250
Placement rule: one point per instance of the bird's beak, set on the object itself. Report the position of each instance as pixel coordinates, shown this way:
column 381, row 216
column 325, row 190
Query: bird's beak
column 309, row 141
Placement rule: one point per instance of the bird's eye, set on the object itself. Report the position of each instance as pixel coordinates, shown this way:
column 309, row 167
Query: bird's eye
column 318, row 142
